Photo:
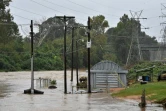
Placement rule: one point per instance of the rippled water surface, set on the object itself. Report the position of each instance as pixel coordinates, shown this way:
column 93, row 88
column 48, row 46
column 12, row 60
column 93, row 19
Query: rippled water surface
column 12, row 85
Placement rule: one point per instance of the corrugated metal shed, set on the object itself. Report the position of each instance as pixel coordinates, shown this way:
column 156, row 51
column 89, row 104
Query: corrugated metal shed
column 107, row 74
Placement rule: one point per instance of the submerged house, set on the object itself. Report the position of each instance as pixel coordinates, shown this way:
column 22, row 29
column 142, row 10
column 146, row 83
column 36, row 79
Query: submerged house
column 107, row 74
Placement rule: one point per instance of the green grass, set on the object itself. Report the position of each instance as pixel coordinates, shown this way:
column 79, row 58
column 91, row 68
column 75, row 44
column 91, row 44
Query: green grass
column 155, row 91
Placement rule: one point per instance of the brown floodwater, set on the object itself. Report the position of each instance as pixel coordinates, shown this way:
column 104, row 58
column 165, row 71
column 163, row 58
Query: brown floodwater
column 12, row 85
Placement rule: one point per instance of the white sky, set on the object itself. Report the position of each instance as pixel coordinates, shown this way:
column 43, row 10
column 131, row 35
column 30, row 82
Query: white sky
column 81, row 9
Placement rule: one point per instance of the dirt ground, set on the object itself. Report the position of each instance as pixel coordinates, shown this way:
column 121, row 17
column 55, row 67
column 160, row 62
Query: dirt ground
column 115, row 90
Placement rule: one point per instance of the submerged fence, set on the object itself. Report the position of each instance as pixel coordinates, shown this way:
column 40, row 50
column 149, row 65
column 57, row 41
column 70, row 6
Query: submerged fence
column 42, row 82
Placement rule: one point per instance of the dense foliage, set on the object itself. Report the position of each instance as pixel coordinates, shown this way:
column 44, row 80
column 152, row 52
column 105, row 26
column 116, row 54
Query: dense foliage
column 120, row 38
column 158, row 68
column 48, row 43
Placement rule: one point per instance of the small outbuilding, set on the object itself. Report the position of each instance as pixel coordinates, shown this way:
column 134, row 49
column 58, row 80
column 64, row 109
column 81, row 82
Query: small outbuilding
column 107, row 74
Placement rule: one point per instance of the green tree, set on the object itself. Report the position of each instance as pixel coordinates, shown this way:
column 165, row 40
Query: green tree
column 10, row 39
column 120, row 37
column 99, row 24
column 98, row 39
column 9, row 30
column 53, row 28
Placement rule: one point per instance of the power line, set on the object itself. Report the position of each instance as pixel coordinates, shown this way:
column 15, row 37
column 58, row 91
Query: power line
column 75, row 50
column 53, row 9
column 23, row 31
column 105, row 5
column 64, row 7
column 2, row 52
column 33, row 12
column 144, row 27
column 46, row 6
column 153, row 17
column 21, row 17
column 154, row 26
column 67, row 8
column 90, row 8
column 163, row 7
column 1, row 23
column 27, row 11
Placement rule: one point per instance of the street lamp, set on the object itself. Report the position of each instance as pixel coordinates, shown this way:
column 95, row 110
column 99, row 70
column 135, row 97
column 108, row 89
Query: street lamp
column 77, row 58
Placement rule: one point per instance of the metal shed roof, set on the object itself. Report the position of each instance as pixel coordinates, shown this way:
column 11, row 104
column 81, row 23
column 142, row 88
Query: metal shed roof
column 107, row 66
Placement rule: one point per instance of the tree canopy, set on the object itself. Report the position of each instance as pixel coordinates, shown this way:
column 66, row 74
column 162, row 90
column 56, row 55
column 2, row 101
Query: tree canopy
column 107, row 43
column 121, row 36
column 99, row 24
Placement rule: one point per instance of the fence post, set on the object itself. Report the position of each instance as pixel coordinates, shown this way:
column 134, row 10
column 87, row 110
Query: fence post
column 143, row 100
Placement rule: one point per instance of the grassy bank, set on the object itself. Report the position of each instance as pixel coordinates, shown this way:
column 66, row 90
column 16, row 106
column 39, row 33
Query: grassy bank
column 155, row 91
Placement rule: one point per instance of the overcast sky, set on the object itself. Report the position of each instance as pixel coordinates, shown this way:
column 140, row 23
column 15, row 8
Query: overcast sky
column 25, row 10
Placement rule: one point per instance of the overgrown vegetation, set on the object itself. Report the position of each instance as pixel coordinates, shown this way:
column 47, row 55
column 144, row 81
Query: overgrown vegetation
column 53, row 82
column 155, row 91
column 158, row 67
column 83, row 82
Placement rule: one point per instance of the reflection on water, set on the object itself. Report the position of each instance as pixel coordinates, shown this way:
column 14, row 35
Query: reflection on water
column 4, row 89
column 164, row 108
column 42, row 82
column 56, row 100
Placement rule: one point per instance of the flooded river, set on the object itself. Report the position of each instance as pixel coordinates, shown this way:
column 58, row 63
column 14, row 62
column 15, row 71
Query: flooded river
column 12, row 85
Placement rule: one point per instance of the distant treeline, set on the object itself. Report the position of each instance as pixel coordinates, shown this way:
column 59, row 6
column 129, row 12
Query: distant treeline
column 111, row 44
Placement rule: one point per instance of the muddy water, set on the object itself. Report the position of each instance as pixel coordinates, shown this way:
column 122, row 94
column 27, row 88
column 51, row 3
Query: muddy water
column 12, row 85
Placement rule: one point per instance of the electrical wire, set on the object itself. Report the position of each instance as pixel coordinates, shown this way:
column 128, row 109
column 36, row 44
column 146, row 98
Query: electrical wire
column 91, row 8
column 46, row 6
column 26, row 11
column 53, row 9
column 163, row 7
column 68, row 52
column 22, row 24
column 153, row 17
column 23, row 31
column 2, row 52
column 64, row 7
column 105, row 5
column 155, row 26
column 21, row 16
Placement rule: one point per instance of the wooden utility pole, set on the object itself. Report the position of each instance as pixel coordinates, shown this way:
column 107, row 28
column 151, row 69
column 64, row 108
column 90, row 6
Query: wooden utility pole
column 32, row 69
column 32, row 90
column 65, row 19
column 72, row 42
column 73, row 29
column 89, row 46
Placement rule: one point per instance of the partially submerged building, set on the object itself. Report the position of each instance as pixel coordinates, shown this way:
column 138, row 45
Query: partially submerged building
column 107, row 74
